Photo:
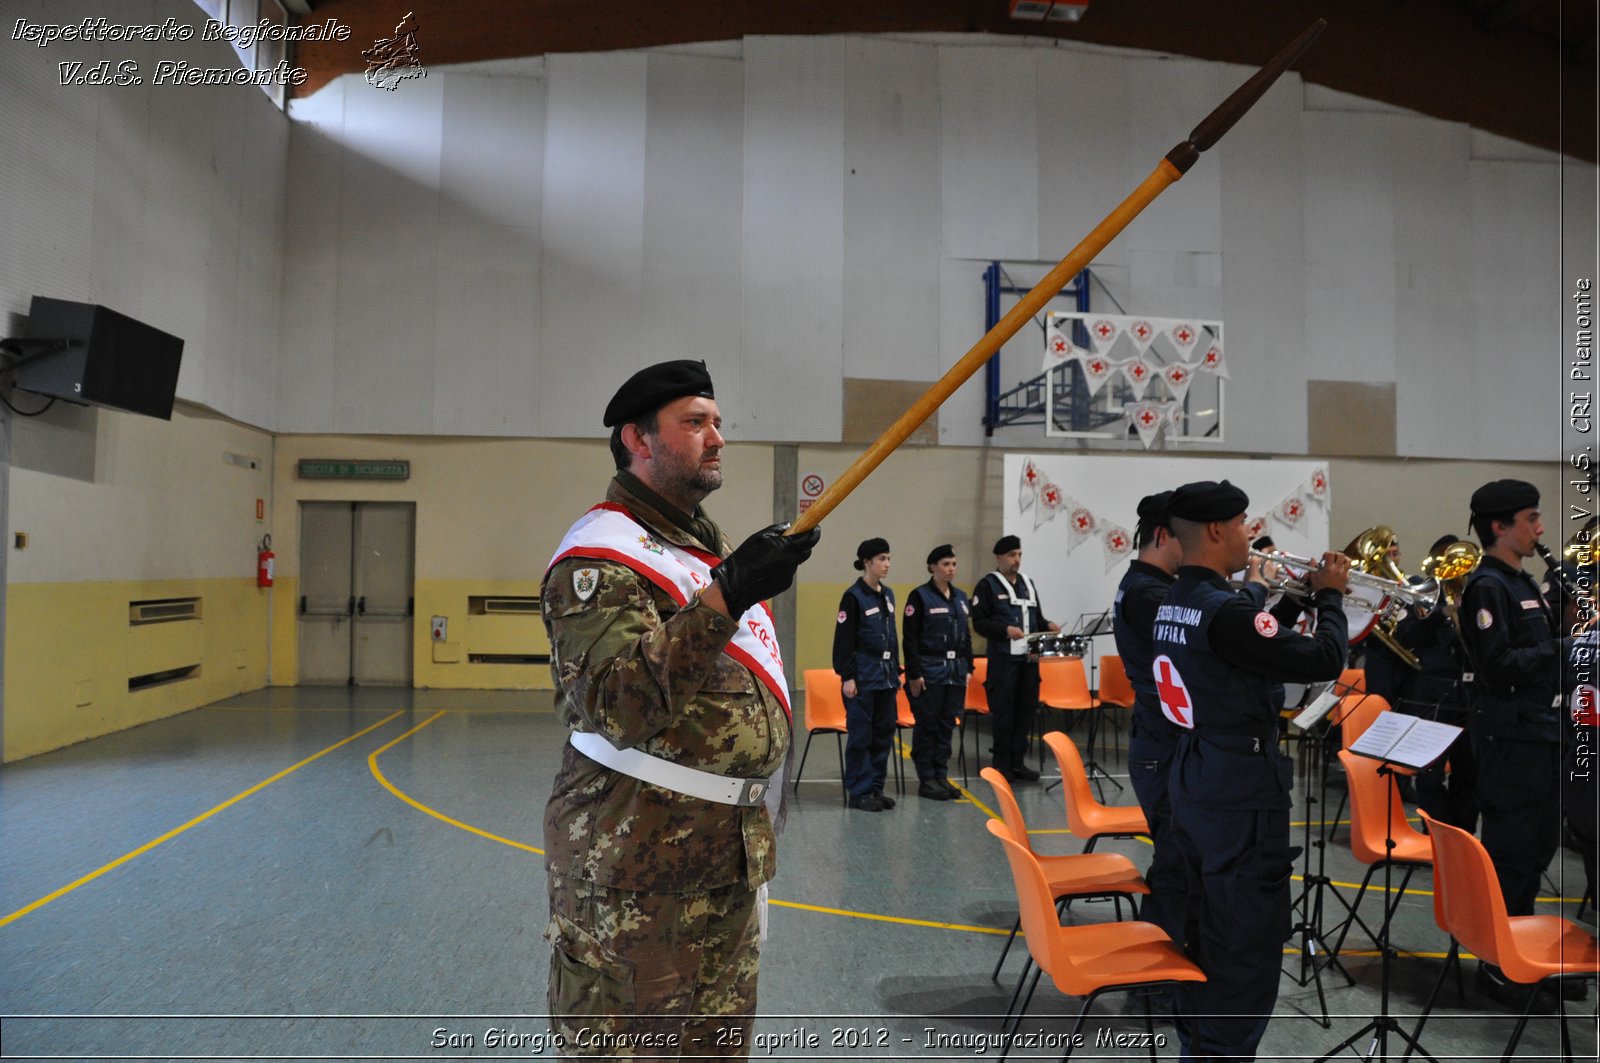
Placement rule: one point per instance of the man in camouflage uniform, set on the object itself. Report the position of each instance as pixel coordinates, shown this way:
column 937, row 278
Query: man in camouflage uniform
column 653, row 891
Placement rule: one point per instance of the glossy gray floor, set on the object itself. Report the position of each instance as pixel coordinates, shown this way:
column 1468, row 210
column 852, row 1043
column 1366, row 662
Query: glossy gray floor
column 333, row 874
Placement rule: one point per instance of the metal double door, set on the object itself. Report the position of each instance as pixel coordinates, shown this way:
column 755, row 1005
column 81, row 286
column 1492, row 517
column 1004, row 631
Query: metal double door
column 356, row 593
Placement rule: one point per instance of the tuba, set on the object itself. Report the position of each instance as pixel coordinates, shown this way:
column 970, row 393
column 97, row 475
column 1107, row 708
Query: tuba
column 1449, row 568
column 1369, row 553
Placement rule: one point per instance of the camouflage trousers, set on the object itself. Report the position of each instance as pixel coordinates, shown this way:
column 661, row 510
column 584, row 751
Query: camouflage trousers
column 652, row 975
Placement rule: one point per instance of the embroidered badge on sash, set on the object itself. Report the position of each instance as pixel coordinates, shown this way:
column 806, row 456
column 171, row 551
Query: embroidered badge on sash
column 584, row 582
column 651, row 545
column 1485, row 620
column 1267, row 625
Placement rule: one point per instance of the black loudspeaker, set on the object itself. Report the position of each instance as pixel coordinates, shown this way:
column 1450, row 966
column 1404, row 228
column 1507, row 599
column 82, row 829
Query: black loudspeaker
column 91, row 354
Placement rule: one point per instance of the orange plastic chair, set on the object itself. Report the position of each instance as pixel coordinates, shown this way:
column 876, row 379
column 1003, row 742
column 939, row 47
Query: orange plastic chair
column 1064, row 686
column 1115, row 690
column 824, row 715
column 1377, row 815
column 1351, row 681
column 1086, row 961
column 975, row 709
column 1354, row 714
column 1528, row 949
column 1074, row 876
column 903, row 722
column 1086, row 817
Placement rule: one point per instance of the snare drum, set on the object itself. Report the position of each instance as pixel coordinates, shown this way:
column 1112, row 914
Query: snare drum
column 1055, row 644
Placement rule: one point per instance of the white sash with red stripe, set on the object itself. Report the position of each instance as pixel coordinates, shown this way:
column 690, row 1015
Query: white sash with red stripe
column 609, row 532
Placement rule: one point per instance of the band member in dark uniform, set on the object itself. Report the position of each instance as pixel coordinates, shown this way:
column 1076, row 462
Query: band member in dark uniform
column 1217, row 655
column 866, row 655
column 1005, row 609
column 1153, row 738
column 938, row 655
column 1516, row 693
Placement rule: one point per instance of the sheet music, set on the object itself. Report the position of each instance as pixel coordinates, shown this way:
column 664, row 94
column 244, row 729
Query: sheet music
column 1320, row 706
column 1405, row 740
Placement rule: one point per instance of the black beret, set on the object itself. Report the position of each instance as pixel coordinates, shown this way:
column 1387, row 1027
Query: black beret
column 656, row 385
column 1005, row 544
column 1206, row 500
column 1263, row 543
column 869, row 549
column 939, row 553
column 1153, row 512
column 1500, row 497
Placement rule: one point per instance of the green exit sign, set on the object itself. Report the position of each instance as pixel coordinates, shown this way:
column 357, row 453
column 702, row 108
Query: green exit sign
column 328, row 469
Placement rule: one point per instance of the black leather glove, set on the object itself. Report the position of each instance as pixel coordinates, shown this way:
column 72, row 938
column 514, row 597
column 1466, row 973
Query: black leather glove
column 762, row 566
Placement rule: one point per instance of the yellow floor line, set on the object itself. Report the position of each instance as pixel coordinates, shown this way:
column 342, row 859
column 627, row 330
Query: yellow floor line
column 848, row 914
column 372, row 764
column 201, row 818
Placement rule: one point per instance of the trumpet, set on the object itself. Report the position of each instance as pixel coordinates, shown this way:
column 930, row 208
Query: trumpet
column 1422, row 598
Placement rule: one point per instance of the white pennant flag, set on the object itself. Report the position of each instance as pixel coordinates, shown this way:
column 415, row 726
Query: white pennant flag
column 1051, row 502
column 1146, row 418
column 1291, row 510
column 1317, row 486
column 1139, row 373
column 1184, row 335
column 1211, row 360
column 1058, row 350
column 1178, row 376
column 1028, row 488
column 1103, row 332
column 1097, row 369
column 1117, row 542
column 1081, row 524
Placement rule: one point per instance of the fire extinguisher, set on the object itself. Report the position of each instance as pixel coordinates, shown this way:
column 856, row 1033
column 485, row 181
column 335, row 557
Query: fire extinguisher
column 264, row 562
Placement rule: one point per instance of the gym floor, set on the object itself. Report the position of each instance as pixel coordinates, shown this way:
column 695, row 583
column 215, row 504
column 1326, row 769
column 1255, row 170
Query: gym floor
column 305, row 873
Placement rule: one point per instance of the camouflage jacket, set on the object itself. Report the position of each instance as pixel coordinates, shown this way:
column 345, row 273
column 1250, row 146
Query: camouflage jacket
column 629, row 664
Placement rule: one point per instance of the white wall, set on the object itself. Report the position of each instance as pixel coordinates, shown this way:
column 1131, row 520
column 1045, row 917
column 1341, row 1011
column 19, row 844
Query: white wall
column 801, row 210
column 165, row 203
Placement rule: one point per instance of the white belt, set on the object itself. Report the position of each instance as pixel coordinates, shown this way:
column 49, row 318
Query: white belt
column 723, row 789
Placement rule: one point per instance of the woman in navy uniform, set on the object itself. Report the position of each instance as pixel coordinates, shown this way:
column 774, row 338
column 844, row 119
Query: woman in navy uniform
column 938, row 652
column 1005, row 607
column 1217, row 656
column 866, row 656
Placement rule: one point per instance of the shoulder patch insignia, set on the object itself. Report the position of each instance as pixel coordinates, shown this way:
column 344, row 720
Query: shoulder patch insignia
column 841, row 616
column 584, row 582
column 1266, row 624
column 1485, row 620
column 911, row 608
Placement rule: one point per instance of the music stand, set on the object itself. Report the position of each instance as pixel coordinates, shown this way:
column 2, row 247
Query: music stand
column 1315, row 725
column 1088, row 626
column 1414, row 743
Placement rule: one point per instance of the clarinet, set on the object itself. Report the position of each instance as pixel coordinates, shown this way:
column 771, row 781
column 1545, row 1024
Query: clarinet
column 1573, row 591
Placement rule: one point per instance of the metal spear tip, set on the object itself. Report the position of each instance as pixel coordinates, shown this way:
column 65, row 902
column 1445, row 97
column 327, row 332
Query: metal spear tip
column 1229, row 111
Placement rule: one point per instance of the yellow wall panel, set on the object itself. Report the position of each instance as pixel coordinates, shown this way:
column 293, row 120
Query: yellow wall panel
column 69, row 648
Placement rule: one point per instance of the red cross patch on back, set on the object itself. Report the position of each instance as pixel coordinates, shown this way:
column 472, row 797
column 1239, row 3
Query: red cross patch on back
column 1175, row 702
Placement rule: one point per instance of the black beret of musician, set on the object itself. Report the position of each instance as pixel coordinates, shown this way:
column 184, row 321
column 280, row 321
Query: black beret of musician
column 1207, row 500
column 939, row 553
column 1501, row 497
column 656, row 385
column 1153, row 510
column 1263, row 543
column 869, row 549
column 1005, row 544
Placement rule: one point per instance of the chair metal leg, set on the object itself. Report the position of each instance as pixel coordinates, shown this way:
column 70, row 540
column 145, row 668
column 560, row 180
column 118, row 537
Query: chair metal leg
column 801, row 770
column 1522, row 1022
column 1451, row 957
column 1016, row 1024
column 995, row 975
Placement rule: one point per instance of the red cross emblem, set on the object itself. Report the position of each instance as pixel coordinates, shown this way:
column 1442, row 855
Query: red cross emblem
column 1174, row 695
column 1177, row 376
column 1142, row 330
column 1138, row 371
column 1052, row 496
column 1147, row 418
column 1058, row 344
column 1030, row 474
column 1319, row 482
column 1212, row 357
column 1097, row 367
column 1118, row 543
column 1266, row 625
column 1103, row 329
column 1184, row 335
column 1082, row 520
column 1292, row 509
